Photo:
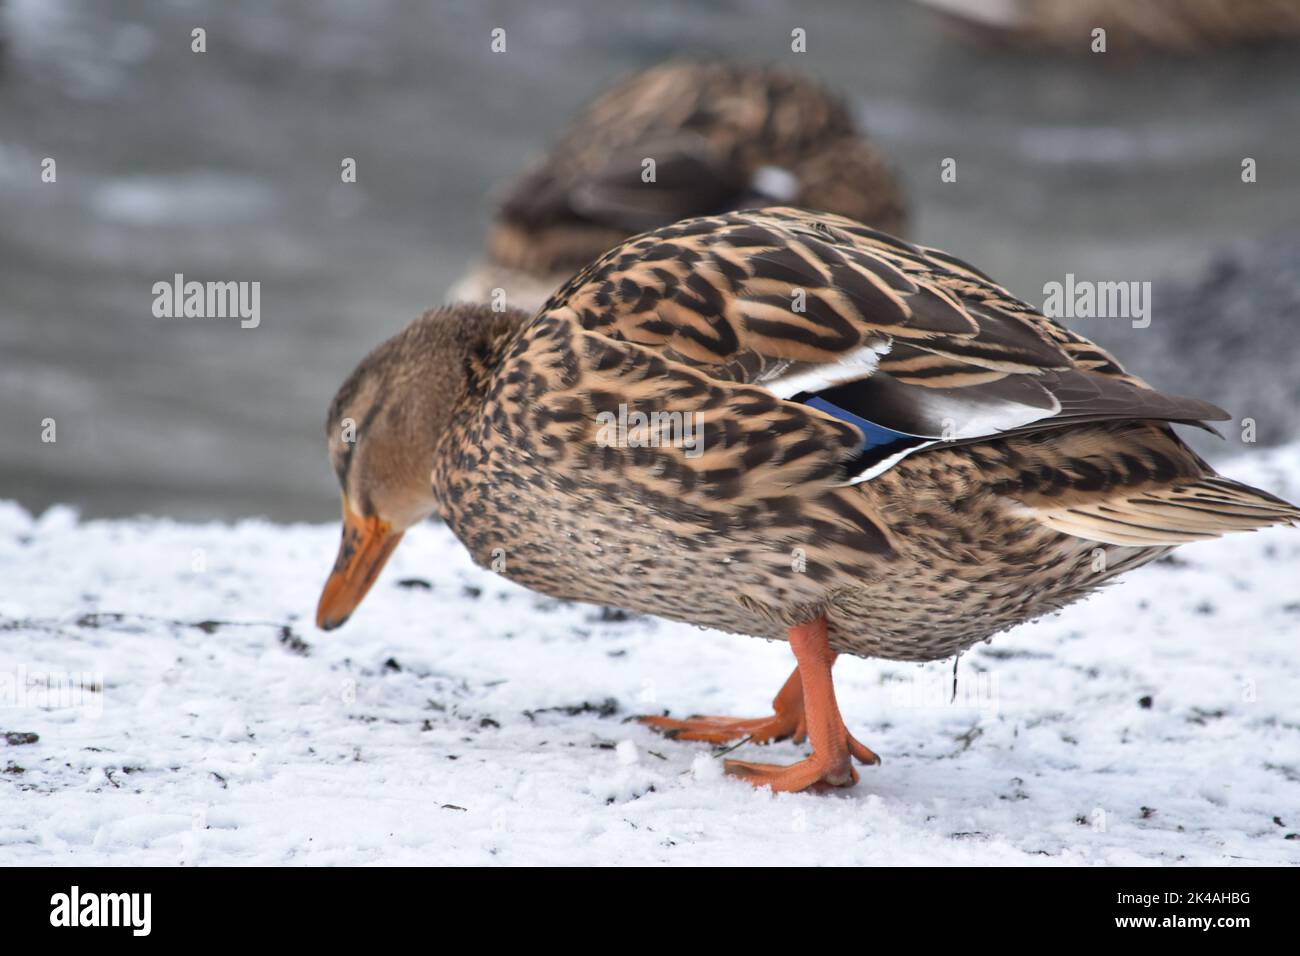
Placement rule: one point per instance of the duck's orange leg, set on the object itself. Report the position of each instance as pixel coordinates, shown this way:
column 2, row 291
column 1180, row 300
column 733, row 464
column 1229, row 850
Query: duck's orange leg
column 832, row 744
column 786, row 721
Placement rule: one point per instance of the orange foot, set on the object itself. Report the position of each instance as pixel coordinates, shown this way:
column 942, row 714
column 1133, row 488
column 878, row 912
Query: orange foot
column 786, row 721
column 835, row 771
column 805, row 707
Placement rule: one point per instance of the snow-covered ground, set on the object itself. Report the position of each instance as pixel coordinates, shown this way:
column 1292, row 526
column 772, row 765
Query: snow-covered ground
column 199, row 718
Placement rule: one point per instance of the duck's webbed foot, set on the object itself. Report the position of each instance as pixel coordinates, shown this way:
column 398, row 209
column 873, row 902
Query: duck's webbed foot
column 834, row 748
column 786, row 721
column 805, row 709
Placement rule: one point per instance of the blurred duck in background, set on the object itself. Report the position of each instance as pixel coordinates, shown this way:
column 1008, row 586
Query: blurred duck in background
column 678, row 140
column 1179, row 25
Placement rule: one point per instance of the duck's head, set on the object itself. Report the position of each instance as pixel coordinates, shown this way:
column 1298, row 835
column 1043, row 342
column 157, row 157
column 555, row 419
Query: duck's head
column 383, row 428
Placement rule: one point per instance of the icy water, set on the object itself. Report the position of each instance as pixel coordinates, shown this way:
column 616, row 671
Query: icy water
column 225, row 166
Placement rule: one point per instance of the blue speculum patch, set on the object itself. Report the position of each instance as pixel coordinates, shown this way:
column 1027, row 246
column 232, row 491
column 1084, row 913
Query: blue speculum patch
column 873, row 435
column 879, row 444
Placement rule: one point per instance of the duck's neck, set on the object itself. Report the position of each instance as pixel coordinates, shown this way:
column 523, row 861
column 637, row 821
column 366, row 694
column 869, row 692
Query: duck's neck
column 486, row 344
column 486, row 340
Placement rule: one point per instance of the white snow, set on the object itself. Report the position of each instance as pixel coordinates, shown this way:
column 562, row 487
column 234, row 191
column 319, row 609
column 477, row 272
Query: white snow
column 493, row 743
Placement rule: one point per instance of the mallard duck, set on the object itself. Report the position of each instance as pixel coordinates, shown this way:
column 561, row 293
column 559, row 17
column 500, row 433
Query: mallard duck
column 722, row 136
column 1179, row 25
column 852, row 443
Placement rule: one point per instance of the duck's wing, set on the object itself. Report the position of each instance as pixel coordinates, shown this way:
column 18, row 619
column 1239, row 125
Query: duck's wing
column 659, row 180
column 610, row 415
column 719, row 135
column 909, row 346
column 673, row 114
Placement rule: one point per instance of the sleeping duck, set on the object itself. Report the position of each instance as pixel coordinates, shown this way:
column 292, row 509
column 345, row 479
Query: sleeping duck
column 895, row 457
column 721, row 136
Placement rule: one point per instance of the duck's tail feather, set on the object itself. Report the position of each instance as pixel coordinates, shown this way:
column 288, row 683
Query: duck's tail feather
column 1196, row 510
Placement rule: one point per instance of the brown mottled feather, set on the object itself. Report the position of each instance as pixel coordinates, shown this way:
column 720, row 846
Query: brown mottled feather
column 759, row 531
column 719, row 293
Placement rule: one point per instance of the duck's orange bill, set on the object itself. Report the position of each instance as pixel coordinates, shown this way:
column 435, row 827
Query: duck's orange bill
column 366, row 545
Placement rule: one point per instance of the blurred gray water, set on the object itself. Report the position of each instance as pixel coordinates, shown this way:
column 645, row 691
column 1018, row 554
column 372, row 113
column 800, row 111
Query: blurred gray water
column 225, row 166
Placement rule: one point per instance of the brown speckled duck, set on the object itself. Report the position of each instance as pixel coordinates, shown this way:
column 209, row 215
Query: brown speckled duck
column 722, row 135
column 825, row 435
